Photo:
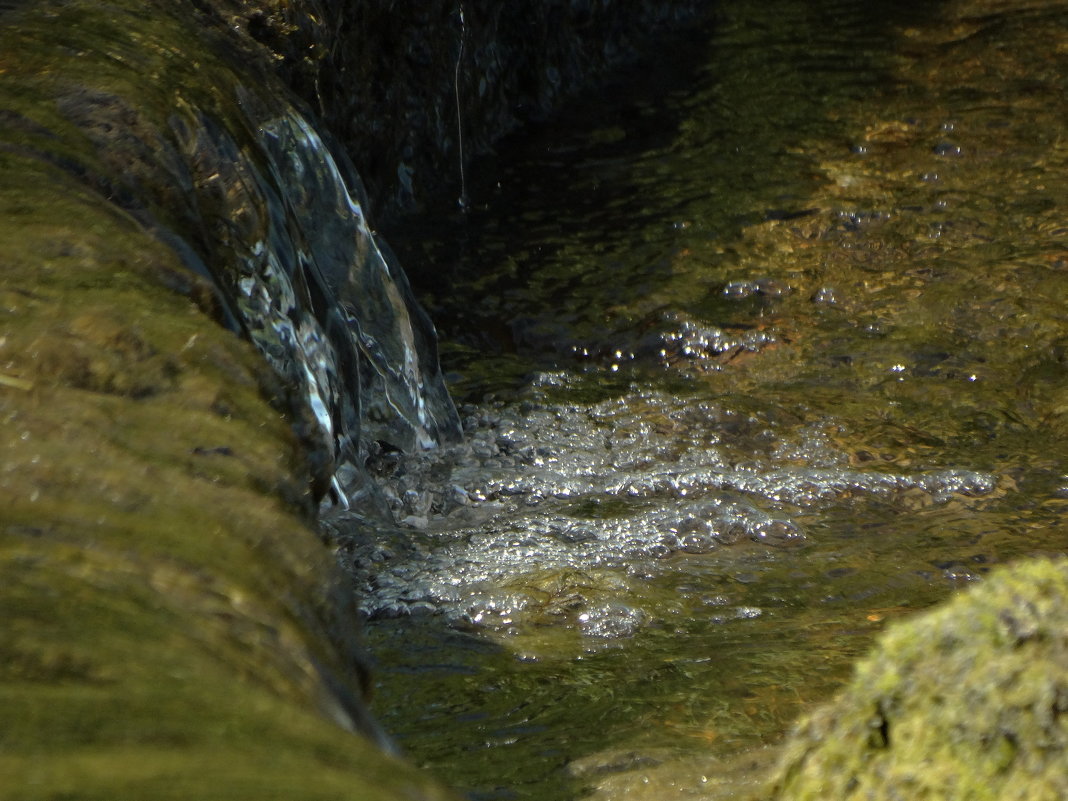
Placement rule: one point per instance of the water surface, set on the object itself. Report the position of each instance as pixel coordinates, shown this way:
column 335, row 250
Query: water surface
column 761, row 349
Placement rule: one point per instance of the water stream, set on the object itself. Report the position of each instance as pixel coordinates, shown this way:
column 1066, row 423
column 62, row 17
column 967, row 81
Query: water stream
column 757, row 351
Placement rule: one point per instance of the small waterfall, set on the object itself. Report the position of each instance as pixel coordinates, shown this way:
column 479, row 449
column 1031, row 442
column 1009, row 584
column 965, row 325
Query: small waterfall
column 318, row 293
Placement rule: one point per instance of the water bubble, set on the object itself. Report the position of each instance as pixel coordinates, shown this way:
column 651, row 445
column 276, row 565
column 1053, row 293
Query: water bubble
column 826, row 295
column 946, row 149
column 659, row 550
column 731, row 532
column 696, row 536
column 577, row 534
column 697, row 543
column 457, row 496
column 778, row 533
column 736, row 290
column 611, row 620
column 416, row 503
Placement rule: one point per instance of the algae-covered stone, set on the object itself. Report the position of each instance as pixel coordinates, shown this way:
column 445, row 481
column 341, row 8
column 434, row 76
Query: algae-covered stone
column 969, row 701
column 171, row 624
column 172, row 627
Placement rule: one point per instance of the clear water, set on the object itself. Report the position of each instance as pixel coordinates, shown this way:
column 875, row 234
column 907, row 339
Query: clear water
column 761, row 349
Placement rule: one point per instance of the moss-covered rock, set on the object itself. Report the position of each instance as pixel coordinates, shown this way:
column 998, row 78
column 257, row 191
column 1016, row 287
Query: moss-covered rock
column 172, row 625
column 968, row 702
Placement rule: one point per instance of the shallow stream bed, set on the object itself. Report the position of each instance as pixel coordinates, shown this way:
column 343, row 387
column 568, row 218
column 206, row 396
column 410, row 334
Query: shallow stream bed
column 757, row 351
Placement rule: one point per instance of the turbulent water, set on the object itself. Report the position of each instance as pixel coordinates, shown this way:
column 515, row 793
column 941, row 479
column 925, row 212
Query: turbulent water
column 316, row 291
column 614, row 485
column 762, row 348
column 325, row 295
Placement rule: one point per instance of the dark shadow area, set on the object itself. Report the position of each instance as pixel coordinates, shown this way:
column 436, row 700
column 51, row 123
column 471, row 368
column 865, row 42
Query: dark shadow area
column 575, row 224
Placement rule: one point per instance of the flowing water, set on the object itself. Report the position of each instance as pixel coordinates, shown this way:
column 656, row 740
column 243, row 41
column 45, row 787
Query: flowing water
column 757, row 351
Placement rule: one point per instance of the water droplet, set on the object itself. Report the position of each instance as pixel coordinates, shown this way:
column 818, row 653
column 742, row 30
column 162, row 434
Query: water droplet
column 946, row 149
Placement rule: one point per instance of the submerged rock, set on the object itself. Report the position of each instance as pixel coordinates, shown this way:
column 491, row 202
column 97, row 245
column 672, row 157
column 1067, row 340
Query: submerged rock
column 969, row 701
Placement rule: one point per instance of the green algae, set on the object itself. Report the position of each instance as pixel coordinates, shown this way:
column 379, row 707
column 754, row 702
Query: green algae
column 965, row 702
column 174, row 626
column 248, row 671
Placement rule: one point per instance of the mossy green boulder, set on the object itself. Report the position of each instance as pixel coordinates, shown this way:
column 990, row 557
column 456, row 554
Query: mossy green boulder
column 968, row 702
column 171, row 623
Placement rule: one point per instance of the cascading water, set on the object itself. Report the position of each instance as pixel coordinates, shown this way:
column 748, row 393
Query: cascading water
column 158, row 180
column 314, row 288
